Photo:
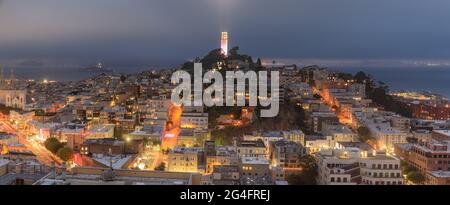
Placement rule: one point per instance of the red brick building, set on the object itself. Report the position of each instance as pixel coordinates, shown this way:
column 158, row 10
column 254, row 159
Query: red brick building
column 426, row 157
column 429, row 111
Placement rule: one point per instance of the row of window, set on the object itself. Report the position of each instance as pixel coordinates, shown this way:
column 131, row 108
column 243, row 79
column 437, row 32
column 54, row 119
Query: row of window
column 184, row 158
column 339, row 179
column 382, row 166
column 183, row 164
column 250, row 174
column 383, row 175
column 382, row 182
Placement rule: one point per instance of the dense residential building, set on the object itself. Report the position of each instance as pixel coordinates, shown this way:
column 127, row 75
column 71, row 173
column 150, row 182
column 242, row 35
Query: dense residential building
column 339, row 132
column 431, row 110
column 182, row 159
column 431, row 158
column 100, row 132
column 287, row 154
column 251, row 148
column 318, row 118
column 353, row 166
column 254, row 167
column 426, row 156
column 220, row 156
column 441, row 135
column 438, row 178
column 103, row 146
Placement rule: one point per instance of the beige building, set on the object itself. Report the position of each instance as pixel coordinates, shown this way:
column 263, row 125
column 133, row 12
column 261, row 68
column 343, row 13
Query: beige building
column 251, row 148
column 380, row 169
column 339, row 132
column 183, row 159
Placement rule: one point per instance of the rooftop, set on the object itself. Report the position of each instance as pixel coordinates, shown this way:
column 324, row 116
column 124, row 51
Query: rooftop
column 272, row 134
column 359, row 145
column 186, row 150
column 106, row 141
column 258, row 143
column 443, row 174
column 433, row 146
column 3, row 162
column 101, row 128
column 226, row 169
column 117, row 161
column 443, row 132
column 255, row 160
column 284, row 143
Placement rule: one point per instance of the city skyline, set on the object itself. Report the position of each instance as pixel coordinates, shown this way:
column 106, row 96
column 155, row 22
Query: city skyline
column 82, row 33
column 224, row 92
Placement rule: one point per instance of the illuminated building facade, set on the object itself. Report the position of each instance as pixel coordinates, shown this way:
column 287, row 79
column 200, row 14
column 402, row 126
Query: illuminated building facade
column 184, row 159
column 13, row 98
column 224, row 43
column 172, row 128
column 431, row 111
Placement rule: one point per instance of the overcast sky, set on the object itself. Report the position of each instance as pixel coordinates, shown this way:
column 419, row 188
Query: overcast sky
column 168, row 32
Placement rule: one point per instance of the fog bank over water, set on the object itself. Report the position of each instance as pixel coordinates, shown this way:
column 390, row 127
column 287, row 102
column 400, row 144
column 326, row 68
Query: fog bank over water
column 150, row 32
column 391, row 63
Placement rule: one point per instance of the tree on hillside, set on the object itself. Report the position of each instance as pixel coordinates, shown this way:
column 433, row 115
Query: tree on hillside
column 65, row 153
column 364, row 134
column 53, row 145
column 212, row 58
column 308, row 175
column 416, row 177
column 361, row 77
column 161, row 167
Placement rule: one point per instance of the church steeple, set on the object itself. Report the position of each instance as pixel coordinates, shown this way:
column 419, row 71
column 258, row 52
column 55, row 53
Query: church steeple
column 12, row 79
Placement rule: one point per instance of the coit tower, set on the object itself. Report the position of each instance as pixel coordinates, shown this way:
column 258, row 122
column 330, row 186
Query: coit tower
column 224, row 43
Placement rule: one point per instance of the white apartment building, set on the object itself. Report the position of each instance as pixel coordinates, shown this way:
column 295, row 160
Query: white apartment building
column 194, row 120
column 351, row 166
column 387, row 136
column 339, row 132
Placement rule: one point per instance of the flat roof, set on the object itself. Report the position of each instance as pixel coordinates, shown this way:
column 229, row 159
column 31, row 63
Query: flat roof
column 443, row 174
column 3, row 162
column 443, row 132
column 101, row 128
column 105, row 141
column 254, row 160
column 226, row 168
column 186, row 150
column 359, row 145
column 258, row 143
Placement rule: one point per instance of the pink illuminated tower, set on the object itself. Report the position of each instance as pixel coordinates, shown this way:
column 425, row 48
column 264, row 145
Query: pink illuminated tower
column 224, row 43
